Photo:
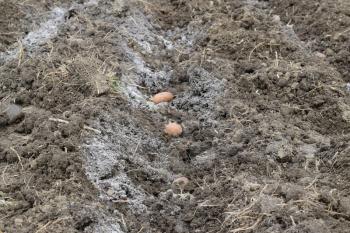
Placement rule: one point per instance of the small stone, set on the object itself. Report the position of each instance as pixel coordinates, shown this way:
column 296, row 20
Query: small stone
column 14, row 112
column 18, row 221
column 348, row 87
column 329, row 52
column 181, row 182
column 249, row 186
column 276, row 18
column 46, row 209
column 294, row 85
column 180, row 228
column 282, row 82
column 320, row 55
column 110, row 192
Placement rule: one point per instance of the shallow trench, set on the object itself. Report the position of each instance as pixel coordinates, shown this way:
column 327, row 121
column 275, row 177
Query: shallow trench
column 128, row 146
column 131, row 164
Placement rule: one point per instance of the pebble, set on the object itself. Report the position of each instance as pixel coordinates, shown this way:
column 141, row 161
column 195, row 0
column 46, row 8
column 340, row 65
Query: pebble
column 320, row 55
column 181, row 182
column 18, row 221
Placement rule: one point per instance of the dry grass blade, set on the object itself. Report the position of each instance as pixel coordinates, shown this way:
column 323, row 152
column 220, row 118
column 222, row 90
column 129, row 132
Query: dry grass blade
column 255, row 48
column 19, row 157
column 58, row 120
column 92, row 129
column 137, row 232
column 67, row 122
column 3, row 175
column 244, row 211
column 252, row 227
column 51, row 223
column 20, row 53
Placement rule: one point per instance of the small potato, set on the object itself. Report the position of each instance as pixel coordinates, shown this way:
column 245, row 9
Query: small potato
column 173, row 129
column 162, row 97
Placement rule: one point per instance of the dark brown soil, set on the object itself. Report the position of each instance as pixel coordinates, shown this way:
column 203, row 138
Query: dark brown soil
column 10, row 24
column 264, row 105
column 323, row 25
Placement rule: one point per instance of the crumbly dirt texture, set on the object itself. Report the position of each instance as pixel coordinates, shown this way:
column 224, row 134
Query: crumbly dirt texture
column 261, row 92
